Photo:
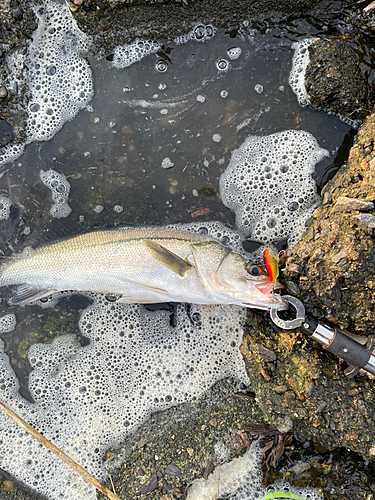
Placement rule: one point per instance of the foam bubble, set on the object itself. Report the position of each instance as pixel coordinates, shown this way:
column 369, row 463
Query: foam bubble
column 258, row 88
column 81, row 401
column 297, row 74
column 8, row 323
column 98, row 209
column 234, row 53
column 201, row 98
column 216, row 137
column 128, row 54
column 200, row 33
column 222, row 65
column 60, row 189
column 167, row 163
column 58, row 79
column 241, row 479
column 268, row 184
column 5, row 204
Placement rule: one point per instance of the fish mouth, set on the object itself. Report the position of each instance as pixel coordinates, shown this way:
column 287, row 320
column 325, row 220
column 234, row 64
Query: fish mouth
column 274, row 299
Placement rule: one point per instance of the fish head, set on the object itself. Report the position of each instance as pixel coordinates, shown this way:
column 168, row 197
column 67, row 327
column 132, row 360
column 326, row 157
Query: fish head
column 231, row 279
column 249, row 284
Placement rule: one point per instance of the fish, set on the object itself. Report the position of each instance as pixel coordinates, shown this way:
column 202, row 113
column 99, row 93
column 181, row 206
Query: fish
column 141, row 265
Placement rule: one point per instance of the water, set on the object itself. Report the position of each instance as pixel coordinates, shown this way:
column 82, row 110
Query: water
column 150, row 149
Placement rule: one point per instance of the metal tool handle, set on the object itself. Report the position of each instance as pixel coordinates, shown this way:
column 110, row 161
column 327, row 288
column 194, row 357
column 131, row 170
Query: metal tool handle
column 344, row 347
column 333, row 340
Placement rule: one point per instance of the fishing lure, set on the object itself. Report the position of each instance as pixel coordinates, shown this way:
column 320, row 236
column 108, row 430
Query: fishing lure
column 271, row 261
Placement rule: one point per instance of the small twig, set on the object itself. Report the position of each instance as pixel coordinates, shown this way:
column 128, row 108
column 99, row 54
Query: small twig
column 369, row 8
column 60, row 454
column 113, row 486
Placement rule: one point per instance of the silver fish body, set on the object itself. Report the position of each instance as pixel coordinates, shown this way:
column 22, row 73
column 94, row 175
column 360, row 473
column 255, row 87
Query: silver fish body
column 143, row 266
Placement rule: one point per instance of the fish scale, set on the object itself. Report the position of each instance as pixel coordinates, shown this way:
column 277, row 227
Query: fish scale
column 147, row 265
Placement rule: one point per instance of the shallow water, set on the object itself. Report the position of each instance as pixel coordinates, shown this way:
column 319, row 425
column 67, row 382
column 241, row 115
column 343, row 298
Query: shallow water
column 192, row 114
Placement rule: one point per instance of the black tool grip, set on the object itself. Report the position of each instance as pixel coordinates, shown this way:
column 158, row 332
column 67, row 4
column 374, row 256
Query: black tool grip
column 349, row 350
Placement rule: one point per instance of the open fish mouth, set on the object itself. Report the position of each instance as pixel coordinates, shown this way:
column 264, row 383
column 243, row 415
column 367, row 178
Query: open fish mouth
column 270, row 288
column 274, row 299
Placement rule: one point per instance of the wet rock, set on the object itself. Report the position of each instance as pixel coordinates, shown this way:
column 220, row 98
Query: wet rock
column 338, row 284
column 345, row 204
column 365, row 221
column 339, row 76
column 340, row 256
column 321, row 408
column 150, row 485
column 172, row 470
column 6, row 133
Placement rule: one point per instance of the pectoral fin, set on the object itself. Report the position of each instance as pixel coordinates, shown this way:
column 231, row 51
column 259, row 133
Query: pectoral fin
column 29, row 293
column 168, row 258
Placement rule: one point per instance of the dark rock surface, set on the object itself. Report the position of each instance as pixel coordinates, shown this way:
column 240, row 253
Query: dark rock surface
column 340, row 76
column 115, row 22
column 333, row 268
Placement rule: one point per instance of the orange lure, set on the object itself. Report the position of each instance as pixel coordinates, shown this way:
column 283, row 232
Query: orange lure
column 271, row 261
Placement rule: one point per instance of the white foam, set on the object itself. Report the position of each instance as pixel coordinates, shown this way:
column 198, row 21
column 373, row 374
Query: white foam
column 258, row 88
column 5, row 204
column 200, row 33
column 128, row 54
column 216, row 137
column 58, row 79
column 299, row 64
column 241, row 479
column 268, row 184
column 234, row 53
column 90, row 398
column 8, row 323
column 60, row 189
column 167, row 163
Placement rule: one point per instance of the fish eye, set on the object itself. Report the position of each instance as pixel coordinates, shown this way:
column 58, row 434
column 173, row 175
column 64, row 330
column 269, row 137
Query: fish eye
column 254, row 270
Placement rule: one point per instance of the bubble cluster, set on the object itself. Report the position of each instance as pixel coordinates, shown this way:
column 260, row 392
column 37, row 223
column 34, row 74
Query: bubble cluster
column 90, row 398
column 200, row 33
column 241, row 479
column 8, row 323
column 234, row 53
column 128, row 54
column 297, row 74
column 269, row 186
column 5, row 204
column 60, row 189
column 167, row 163
column 58, row 79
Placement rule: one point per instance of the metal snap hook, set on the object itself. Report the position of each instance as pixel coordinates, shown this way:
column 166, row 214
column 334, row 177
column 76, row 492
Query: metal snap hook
column 293, row 323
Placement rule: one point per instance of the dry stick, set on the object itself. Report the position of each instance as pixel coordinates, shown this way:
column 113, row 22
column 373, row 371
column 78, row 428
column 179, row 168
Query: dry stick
column 60, row 454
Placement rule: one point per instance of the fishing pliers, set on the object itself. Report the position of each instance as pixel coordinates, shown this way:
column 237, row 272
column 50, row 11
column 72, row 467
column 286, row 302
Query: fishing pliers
column 333, row 340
